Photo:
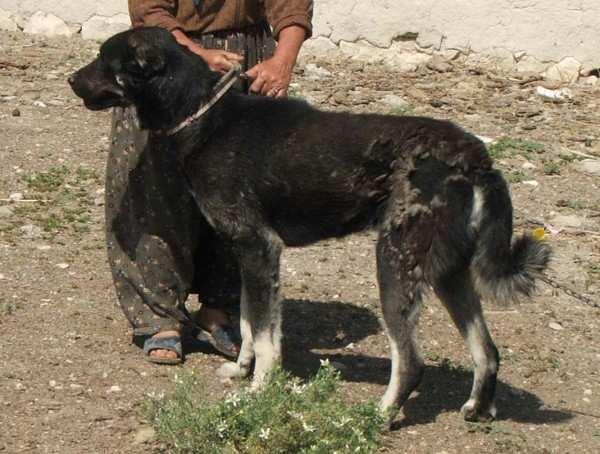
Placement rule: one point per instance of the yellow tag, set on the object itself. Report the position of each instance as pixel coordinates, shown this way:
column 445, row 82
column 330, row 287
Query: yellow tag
column 539, row 233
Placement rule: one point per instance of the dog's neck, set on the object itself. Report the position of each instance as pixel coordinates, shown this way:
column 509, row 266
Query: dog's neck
column 170, row 99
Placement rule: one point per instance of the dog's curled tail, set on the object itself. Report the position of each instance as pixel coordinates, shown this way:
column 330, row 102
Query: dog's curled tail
column 502, row 268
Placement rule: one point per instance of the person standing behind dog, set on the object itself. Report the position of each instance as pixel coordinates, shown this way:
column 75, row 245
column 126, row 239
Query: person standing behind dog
column 160, row 248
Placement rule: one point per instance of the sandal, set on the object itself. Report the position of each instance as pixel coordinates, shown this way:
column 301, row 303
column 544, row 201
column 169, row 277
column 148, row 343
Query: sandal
column 171, row 343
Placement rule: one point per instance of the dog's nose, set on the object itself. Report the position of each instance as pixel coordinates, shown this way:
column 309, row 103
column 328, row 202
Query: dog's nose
column 71, row 79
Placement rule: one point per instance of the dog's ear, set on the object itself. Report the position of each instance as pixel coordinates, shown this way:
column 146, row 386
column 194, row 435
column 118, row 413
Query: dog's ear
column 149, row 56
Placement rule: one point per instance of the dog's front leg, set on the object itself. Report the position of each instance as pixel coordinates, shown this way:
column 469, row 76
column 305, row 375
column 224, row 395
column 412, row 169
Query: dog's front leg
column 241, row 368
column 261, row 307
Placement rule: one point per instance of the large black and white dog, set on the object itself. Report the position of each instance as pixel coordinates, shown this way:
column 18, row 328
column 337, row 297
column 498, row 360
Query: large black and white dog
column 268, row 173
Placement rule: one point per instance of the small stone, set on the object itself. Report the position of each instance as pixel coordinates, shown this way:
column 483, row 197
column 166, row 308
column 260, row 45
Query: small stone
column 2, row 276
column 43, row 247
column 52, row 383
column 16, row 112
column 555, row 326
column 144, row 435
column 528, row 166
column 314, row 72
column 39, row 104
column 19, row 386
column 586, row 400
column 531, row 183
column 62, row 266
column 31, row 231
column 439, row 65
column 15, row 197
column 587, row 392
column 5, row 211
column 589, row 167
column 114, row 389
column 395, row 101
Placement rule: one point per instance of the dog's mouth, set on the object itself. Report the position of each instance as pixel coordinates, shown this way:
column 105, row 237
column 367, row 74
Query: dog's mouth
column 101, row 104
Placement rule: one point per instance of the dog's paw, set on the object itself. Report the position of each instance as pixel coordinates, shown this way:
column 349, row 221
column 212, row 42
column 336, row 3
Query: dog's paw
column 232, row 370
column 473, row 412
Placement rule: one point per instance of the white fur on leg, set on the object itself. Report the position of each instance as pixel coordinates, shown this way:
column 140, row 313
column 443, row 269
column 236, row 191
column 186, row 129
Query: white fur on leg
column 390, row 397
column 241, row 368
column 265, row 359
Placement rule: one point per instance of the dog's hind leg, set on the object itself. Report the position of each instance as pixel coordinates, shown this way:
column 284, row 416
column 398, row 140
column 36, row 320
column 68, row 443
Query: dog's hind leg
column 457, row 294
column 400, row 295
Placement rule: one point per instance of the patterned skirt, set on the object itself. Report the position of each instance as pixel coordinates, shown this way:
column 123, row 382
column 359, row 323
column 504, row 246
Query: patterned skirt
column 160, row 248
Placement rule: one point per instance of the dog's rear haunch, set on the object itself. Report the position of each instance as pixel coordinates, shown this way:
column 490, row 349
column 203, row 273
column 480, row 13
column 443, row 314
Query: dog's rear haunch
column 268, row 173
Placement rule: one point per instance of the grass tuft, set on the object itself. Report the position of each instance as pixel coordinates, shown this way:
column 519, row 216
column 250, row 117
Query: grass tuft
column 506, row 146
column 285, row 416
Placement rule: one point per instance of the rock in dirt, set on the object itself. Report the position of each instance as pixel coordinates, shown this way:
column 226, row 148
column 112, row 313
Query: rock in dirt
column 438, row 64
column 566, row 221
column 566, row 71
column 555, row 326
column 144, row 435
column 31, row 231
column 528, row 166
column 395, row 101
column 314, row 72
column 62, row 266
column 47, row 24
column 15, row 196
column 16, row 112
column 5, row 212
column 589, row 167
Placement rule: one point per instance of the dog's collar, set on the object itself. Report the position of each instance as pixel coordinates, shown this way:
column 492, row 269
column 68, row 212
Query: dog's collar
column 221, row 87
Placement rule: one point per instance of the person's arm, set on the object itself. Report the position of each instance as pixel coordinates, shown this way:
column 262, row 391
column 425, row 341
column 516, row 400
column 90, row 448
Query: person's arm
column 272, row 77
column 161, row 13
column 291, row 23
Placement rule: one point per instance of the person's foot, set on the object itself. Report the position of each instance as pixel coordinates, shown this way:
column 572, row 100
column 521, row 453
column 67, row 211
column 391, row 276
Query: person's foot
column 217, row 323
column 163, row 354
column 211, row 319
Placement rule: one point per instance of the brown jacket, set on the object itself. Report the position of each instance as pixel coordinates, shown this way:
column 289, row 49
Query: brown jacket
column 217, row 15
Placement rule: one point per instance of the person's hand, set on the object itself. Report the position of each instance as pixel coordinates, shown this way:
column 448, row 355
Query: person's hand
column 271, row 77
column 217, row 60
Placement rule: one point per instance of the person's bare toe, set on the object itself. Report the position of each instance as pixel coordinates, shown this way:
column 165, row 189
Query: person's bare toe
column 162, row 353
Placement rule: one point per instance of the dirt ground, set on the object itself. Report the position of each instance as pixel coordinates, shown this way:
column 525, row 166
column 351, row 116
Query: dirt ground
column 70, row 378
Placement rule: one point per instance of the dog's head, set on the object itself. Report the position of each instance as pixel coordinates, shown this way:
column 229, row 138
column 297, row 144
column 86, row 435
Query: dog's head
column 145, row 67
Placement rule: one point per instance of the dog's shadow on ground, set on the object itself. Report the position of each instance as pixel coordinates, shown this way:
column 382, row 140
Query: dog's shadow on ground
column 310, row 325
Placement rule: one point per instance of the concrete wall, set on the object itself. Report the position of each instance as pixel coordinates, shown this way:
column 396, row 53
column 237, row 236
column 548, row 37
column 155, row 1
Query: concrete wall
column 529, row 33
